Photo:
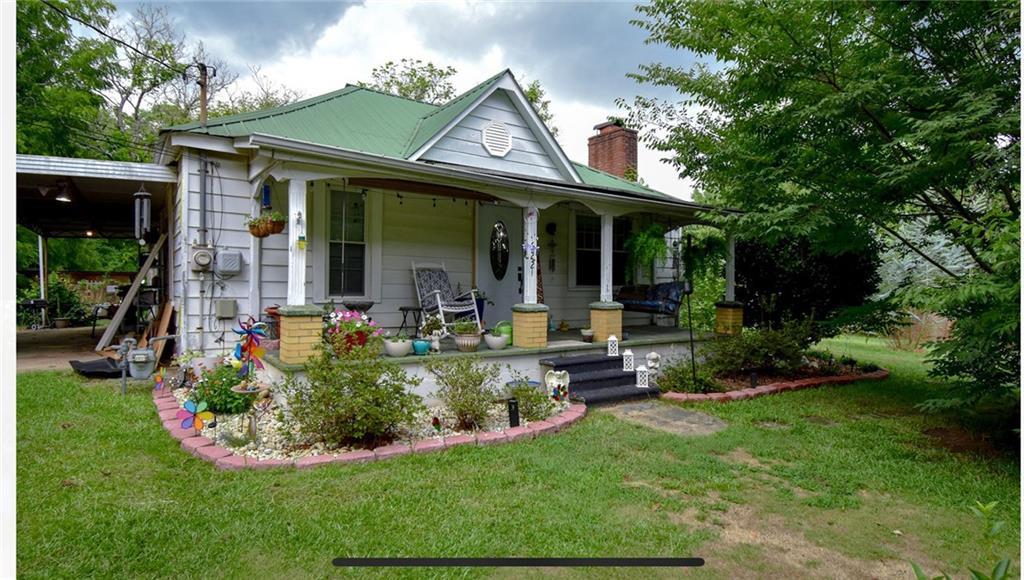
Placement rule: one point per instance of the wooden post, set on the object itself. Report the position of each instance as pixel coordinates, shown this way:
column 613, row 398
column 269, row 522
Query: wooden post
column 607, row 223
column 296, row 242
column 530, row 214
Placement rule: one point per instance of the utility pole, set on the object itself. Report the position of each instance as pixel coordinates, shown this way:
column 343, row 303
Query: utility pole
column 202, row 82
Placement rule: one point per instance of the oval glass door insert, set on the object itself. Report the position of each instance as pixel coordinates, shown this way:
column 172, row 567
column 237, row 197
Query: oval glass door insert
column 499, row 249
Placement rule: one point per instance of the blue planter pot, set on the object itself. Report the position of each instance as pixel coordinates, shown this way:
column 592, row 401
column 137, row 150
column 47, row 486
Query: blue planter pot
column 420, row 346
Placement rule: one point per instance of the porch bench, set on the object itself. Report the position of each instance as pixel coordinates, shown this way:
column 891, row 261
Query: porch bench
column 664, row 298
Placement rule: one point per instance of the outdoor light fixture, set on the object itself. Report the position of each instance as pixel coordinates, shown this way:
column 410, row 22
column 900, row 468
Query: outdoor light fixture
column 89, row 233
column 613, row 346
column 142, row 212
column 627, row 360
column 63, row 196
column 642, row 377
column 513, row 412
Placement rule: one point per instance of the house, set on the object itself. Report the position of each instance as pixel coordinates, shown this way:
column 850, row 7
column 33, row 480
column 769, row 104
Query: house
column 371, row 183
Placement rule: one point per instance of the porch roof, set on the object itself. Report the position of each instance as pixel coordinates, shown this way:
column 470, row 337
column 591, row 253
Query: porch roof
column 364, row 120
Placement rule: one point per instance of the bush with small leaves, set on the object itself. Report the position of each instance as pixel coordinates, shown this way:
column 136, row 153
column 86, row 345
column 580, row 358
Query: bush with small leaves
column 467, row 388
column 214, row 387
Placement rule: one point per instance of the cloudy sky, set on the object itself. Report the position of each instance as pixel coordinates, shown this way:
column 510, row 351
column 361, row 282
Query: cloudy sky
column 580, row 51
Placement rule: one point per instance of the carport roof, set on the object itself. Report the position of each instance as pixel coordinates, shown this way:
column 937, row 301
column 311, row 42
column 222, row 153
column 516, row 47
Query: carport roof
column 101, row 193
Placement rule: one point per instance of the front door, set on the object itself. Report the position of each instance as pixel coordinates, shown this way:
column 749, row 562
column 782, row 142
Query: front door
column 499, row 262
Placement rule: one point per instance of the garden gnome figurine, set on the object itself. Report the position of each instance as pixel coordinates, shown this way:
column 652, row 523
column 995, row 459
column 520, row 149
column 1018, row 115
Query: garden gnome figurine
column 653, row 362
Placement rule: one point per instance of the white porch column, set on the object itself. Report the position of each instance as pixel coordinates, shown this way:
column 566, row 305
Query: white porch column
column 297, row 242
column 44, row 277
column 607, row 222
column 530, row 214
column 730, row 268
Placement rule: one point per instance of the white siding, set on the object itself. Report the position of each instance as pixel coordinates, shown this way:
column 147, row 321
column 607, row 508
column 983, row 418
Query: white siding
column 462, row 145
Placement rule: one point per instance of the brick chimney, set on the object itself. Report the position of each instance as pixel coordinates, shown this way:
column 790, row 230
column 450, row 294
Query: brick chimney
column 613, row 149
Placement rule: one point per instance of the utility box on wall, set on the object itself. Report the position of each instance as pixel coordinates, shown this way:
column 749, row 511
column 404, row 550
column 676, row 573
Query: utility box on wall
column 225, row 308
column 229, row 262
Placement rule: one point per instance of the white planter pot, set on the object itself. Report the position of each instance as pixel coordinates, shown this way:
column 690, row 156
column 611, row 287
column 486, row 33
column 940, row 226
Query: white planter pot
column 496, row 341
column 207, row 363
column 467, row 342
column 398, row 348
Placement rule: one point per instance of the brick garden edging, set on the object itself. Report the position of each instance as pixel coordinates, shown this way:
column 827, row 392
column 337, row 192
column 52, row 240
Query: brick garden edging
column 750, row 393
column 224, row 458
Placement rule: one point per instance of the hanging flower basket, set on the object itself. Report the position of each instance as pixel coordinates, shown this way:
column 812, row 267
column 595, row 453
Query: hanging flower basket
column 266, row 224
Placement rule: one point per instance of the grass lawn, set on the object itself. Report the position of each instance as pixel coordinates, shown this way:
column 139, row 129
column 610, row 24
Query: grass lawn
column 833, row 482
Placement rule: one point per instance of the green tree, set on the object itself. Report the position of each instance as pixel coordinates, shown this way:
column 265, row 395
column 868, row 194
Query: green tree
column 59, row 76
column 414, row 79
column 536, row 95
column 846, row 121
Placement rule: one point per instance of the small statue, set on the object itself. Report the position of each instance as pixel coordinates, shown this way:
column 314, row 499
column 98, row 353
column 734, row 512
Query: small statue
column 653, row 362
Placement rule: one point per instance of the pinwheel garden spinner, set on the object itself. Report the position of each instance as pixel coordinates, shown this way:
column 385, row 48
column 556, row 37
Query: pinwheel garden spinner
column 194, row 415
column 158, row 380
column 248, row 349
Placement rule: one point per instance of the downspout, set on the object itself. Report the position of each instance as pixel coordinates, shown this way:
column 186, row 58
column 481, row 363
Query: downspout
column 202, row 199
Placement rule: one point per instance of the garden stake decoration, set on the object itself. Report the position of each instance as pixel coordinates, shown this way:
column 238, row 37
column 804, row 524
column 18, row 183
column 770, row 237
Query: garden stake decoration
column 248, row 349
column 158, row 380
column 436, row 423
column 194, row 415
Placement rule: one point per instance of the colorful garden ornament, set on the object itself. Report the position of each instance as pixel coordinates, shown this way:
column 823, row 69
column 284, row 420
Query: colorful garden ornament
column 158, row 380
column 194, row 415
column 248, row 350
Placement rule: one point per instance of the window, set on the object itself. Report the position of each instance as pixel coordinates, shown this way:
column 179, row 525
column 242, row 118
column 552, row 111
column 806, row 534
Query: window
column 346, row 266
column 588, row 250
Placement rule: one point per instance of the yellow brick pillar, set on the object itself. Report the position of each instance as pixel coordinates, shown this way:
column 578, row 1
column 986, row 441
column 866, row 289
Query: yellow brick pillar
column 728, row 317
column 301, row 332
column 606, row 320
column 530, row 325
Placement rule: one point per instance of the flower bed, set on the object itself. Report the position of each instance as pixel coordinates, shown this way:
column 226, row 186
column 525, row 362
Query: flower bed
column 214, row 444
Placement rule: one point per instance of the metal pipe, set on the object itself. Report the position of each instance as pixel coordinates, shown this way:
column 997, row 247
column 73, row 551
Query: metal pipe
column 202, row 199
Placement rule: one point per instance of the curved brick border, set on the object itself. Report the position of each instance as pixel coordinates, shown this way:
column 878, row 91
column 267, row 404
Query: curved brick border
column 223, row 458
column 774, row 388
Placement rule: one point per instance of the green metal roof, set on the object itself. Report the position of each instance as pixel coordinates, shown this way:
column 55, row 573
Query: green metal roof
column 362, row 119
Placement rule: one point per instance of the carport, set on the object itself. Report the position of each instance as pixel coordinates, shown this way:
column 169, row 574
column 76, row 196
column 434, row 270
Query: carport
column 60, row 197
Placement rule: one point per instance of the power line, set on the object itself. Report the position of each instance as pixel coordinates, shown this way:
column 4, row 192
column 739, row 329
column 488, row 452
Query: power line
column 182, row 71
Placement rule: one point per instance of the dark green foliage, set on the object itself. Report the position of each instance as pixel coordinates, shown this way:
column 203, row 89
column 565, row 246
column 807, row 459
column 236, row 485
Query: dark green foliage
column 534, row 403
column 466, row 386
column 760, row 349
column 677, row 375
column 644, row 247
column 791, row 280
column 64, row 301
column 214, row 387
column 359, row 398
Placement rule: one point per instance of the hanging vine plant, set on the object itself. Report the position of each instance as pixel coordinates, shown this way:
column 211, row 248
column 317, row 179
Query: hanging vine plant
column 644, row 247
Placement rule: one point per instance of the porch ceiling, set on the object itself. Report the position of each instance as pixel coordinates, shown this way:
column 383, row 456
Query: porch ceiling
column 100, row 191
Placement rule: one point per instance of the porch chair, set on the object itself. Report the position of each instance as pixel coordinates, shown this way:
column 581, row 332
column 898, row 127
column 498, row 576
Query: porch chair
column 437, row 297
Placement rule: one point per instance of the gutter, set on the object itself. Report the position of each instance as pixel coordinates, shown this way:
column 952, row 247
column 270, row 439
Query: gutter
column 517, row 184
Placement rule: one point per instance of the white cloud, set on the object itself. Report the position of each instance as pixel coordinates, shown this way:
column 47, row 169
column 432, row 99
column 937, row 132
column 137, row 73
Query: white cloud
column 371, row 34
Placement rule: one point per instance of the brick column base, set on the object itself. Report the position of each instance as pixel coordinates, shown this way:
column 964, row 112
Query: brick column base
column 530, row 325
column 728, row 317
column 606, row 320
column 301, row 331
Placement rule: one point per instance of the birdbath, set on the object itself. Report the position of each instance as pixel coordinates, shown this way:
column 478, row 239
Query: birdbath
column 260, row 404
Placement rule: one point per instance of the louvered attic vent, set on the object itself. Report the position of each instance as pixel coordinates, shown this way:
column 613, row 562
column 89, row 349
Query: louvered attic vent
column 496, row 139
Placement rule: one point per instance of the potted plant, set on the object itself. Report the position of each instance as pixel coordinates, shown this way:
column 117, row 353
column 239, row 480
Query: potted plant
column 399, row 345
column 496, row 341
column 348, row 329
column 420, row 346
column 432, row 329
column 587, row 333
column 267, row 223
column 467, row 336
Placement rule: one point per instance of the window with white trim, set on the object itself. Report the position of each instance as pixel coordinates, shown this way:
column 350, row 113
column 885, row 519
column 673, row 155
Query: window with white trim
column 588, row 249
column 347, row 252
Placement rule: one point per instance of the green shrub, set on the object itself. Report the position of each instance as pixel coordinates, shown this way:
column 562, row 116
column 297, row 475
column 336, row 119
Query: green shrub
column 466, row 386
column 534, row 403
column 868, row 367
column 760, row 349
column 466, row 327
column 63, row 298
column 215, row 388
column 360, row 399
column 677, row 375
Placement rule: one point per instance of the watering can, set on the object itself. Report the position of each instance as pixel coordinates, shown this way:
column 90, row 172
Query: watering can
column 503, row 328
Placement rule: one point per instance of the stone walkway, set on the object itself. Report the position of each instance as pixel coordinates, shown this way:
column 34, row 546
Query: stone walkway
column 668, row 418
